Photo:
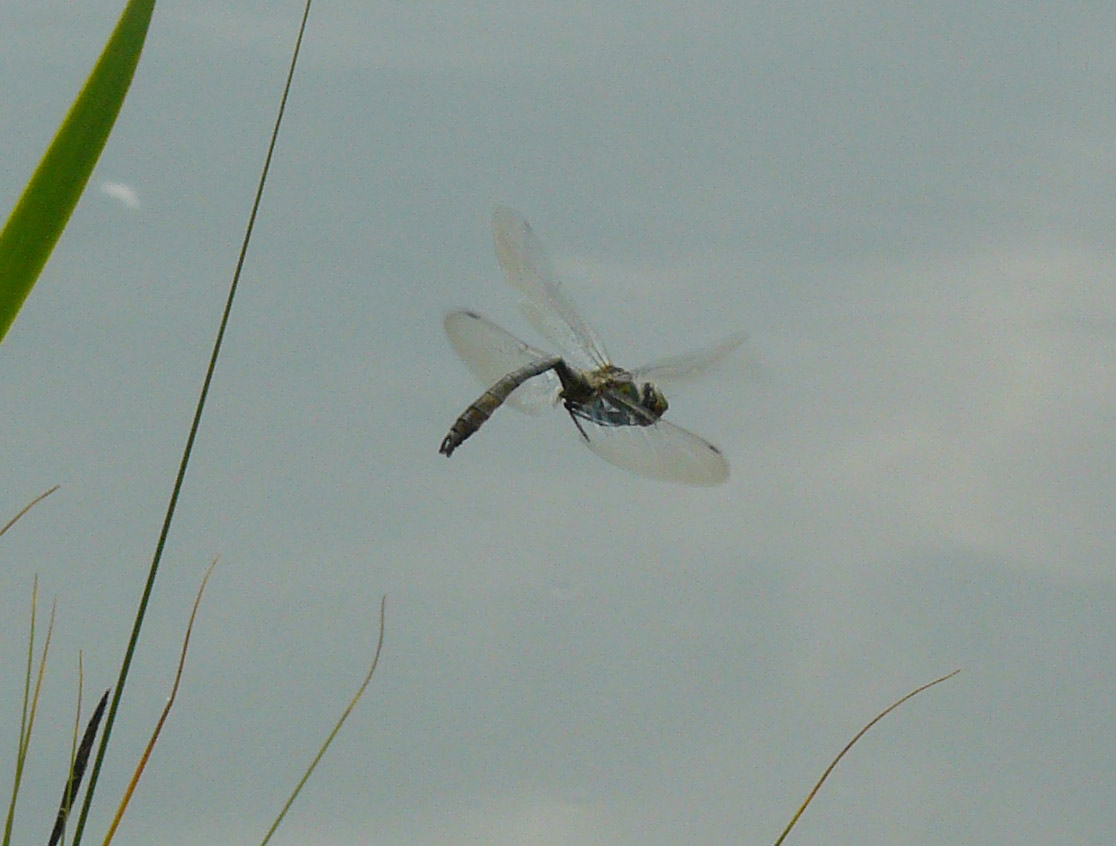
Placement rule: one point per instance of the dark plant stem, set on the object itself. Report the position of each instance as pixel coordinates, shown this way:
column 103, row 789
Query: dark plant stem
column 73, row 783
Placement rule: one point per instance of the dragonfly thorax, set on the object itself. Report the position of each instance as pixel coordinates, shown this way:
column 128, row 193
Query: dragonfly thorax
column 609, row 396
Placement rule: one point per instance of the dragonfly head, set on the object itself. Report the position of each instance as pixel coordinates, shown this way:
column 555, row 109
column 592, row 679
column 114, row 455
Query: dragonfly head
column 651, row 398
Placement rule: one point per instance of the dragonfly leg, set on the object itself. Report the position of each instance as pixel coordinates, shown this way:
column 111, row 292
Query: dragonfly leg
column 573, row 416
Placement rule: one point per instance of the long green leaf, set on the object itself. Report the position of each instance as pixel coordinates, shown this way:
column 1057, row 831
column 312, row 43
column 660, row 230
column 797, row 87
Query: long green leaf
column 38, row 219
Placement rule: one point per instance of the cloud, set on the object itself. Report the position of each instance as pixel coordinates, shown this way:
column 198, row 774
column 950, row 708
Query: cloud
column 119, row 191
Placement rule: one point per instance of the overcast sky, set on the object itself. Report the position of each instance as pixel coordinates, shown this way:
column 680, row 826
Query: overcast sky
column 909, row 207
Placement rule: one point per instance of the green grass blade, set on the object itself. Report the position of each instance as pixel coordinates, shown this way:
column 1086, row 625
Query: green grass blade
column 41, row 214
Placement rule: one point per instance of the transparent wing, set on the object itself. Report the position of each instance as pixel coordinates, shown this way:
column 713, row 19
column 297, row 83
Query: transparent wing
column 660, row 451
column 528, row 270
column 491, row 353
column 676, row 370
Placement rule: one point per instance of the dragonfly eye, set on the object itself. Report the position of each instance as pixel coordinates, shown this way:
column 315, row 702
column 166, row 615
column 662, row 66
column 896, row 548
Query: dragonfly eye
column 653, row 400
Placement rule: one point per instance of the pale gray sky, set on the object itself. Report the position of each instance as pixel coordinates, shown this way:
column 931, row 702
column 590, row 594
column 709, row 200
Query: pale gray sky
column 910, row 209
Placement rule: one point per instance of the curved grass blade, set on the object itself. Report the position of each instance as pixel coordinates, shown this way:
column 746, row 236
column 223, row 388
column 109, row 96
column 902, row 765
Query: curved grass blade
column 849, row 746
column 344, row 716
column 37, row 221
column 162, row 717
column 27, row 508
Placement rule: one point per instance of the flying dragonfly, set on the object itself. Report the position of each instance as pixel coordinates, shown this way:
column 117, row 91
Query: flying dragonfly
column 618, row 413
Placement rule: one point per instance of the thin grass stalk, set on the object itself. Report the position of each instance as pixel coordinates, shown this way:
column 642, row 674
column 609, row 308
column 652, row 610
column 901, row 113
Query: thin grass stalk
column 30, row 705
column 27, row 508
column 336, row 728
column 39, row 677
column 26, row 700
column 850, row 745
column 180, row 477
column 58, row 833
column 163, row 716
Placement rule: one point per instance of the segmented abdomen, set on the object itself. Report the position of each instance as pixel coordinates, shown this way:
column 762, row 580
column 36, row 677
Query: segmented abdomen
column 474, row 416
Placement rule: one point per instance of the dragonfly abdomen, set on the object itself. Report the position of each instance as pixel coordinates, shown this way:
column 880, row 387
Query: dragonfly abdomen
column 474, row 416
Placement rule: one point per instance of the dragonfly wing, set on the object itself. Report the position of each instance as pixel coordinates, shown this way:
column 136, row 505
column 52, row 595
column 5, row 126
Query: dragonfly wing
column 528, row 270
column 660, row 451
column 491, row 353
column 676, row 370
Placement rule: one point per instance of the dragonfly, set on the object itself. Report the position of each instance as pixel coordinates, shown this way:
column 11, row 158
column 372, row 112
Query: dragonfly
column 618, row 413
